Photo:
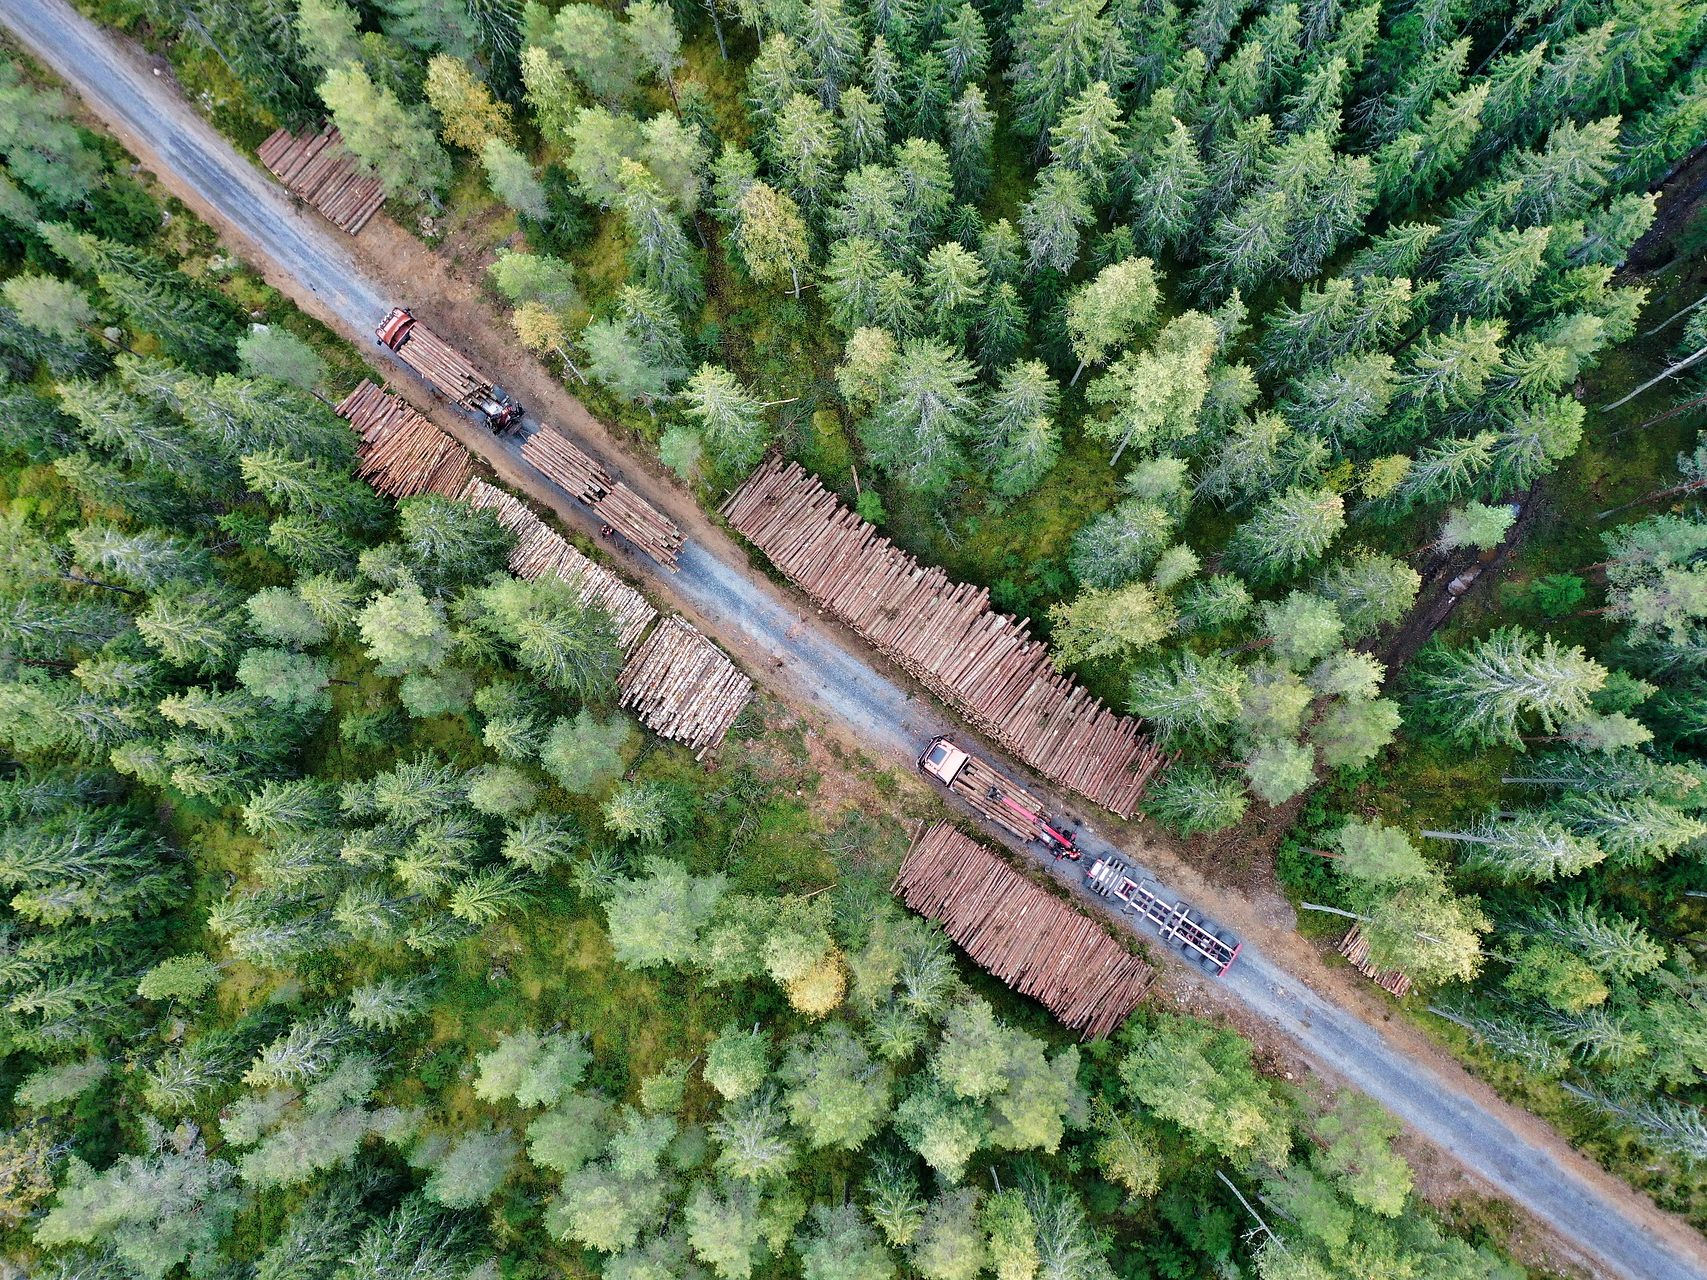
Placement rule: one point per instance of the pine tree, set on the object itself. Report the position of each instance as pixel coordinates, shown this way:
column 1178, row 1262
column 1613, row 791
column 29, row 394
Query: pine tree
column 1058, row 50
column 970, row 130
column 863, row 129
column 1486, row 691
column 1086, row 137
column 1288, row 531
column 918, row 431
column 771, row 236
column 1165, row 189
column 952, row 281
column 393, row 142
column 660, row 257
column 803, row 143
column 1054, row 218
column 729, row 416
column 1110, row 310
column 597, row 50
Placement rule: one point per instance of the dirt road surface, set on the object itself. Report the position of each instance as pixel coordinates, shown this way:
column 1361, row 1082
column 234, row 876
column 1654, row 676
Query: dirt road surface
column 1598, row 1222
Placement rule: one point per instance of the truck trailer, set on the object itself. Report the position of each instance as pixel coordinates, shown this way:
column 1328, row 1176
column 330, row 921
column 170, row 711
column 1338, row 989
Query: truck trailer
column 1000, row 799
column 447, row 370
column 1180, row 925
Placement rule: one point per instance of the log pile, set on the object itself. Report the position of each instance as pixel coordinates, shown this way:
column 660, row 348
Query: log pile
column 401, row 453
column 563, row 462
column 445, row 368
column 680, row 684
column 1023, row 934
column 319, row 169
column 983, row 663
column 540, row 551
column 1355, row 948
column 683, row 686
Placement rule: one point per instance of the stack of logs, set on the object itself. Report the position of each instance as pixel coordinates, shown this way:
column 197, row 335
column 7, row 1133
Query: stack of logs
column 983, row 663
column 401, row 453
column 320, row 170
column 680, row 684
column 1355, row 948
column 541, row 551
column 684, row 686
column 1023, row 934
column 445, row 368
column 560, row 460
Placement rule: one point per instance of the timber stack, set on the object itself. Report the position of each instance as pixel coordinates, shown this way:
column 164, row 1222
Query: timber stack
column 400, row 452
column 680, row 684
column 983, row 663
column 564, row 463
column 1355, row 948
column 319, row 170
column 683, row 686
column 1023, row 934
column 543, row 552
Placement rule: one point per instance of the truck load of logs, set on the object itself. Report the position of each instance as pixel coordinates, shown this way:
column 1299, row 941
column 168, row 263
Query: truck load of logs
column 983, row 663
column 1023, row 934
column 400, row 452
column 1355, row 948
column 683, row 686
column 541, row 551
column 319, row 170
column 564, row 463
column 445, row 368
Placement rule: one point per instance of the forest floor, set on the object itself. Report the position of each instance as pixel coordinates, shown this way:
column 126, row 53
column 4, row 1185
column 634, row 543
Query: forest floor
column 1279, row 991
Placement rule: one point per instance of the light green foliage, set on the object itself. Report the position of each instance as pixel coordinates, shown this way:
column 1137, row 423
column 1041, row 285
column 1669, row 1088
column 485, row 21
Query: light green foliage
column 49, row 304
column 570, row 1134
column 268, row 351
column 655, row 918
column 1279, row 770
column 1110, row 310
column 394, row 142
column 834, row 1090
column 950, row 1245
column 186, row 978
column 1099, row 623
column 1201, row 1078
column 503, row 791
column 472, row 1170
column 52, row 1087
column 1154, row 395
column 729, row 417
column 838, row 1245
column 404, row 631
column 585, row 753
column 531, row 1069
column 725, row 1229
column 154, row 1211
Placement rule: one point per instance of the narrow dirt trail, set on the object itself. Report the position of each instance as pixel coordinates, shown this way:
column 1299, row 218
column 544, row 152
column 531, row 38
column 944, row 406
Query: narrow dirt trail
column 1279, row 981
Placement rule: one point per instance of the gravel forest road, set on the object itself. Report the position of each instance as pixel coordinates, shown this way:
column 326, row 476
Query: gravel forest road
column 1602, row 1224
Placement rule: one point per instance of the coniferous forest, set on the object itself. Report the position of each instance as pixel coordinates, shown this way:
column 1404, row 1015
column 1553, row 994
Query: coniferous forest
column 351, row 930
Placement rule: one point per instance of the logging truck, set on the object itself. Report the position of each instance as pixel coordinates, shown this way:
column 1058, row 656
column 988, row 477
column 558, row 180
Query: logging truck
column 1000, row 799
column 1193, row 935
column 447, row 370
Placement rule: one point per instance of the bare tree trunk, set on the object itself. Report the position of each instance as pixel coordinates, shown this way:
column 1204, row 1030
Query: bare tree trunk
column 1677, row 315
column 1667, row 416
column 1660, row 377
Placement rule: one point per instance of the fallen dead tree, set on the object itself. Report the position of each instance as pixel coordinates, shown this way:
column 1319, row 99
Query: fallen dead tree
column 1023, row 934
column 566, row 464
column 1355, row 948
column 401, row 453
column 983, row 663
column 319, row 169
column 683, row 686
